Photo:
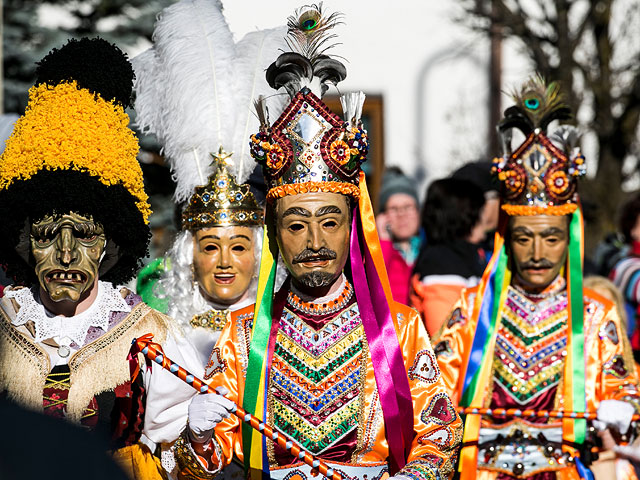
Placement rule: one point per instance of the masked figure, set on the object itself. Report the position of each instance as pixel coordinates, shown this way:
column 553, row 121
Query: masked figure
column 529, row 336
column 329, row 360
column 195, row 90
column 74, row 226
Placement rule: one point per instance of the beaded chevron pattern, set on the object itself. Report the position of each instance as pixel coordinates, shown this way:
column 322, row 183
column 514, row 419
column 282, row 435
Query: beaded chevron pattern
column 530, row 345
column 317, row 379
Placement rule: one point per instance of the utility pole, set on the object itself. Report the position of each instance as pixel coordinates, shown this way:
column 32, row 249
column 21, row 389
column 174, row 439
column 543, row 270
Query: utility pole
column 495, row 81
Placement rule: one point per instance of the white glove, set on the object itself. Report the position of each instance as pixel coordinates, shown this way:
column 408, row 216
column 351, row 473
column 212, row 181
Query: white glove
column 614, row 414
column 629, row 452
column 206, row 411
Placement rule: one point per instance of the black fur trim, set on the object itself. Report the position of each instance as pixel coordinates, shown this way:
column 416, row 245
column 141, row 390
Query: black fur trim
column 97, row 65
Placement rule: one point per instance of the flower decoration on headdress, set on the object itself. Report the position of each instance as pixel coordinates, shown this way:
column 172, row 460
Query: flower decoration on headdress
column 540, row 176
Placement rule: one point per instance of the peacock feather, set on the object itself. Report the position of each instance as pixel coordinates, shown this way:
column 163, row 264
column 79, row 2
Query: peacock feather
column 309, row 31
column 307, row 65
column 537, row 105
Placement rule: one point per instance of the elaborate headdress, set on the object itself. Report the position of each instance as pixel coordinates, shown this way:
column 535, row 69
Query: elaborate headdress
column 73, row 151
column 538, row 178
column 195, row 91
column 310, row 149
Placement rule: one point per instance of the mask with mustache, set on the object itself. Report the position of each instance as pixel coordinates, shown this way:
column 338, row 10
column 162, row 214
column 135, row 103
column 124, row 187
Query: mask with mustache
column 542, row 263
column 308, row 255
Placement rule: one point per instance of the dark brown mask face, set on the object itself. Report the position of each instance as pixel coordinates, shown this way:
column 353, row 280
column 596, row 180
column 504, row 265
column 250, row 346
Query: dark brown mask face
column 67, row 250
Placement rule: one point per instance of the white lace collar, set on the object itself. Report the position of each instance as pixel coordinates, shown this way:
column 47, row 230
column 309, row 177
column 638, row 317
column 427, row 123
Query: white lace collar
column 47, row 325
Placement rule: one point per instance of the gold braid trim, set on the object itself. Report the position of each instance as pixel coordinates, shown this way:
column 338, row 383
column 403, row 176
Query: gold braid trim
column 531, row 210
column 344, row 188
column 188, row 464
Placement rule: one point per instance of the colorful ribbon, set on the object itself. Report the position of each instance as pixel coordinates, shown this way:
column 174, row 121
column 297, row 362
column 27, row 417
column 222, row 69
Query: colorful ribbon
column 373, row 293
column 574, row 374
column 254, row 399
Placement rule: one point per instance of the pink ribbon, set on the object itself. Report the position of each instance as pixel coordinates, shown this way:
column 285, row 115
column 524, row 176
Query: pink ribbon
column 386, row 355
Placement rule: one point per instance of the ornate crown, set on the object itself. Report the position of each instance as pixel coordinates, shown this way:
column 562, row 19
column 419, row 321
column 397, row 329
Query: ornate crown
column 540, row 176
column 309, row 148
column 222, row 202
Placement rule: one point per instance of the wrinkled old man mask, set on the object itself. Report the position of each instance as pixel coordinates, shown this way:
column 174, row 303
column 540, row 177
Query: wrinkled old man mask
column 313, row 236
column 67, row 250
column 224, row 262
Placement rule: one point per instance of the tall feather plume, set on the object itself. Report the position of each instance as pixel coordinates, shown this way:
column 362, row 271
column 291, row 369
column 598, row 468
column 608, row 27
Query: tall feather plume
column 253, row 55
column 307, row 64
column 149, row 97
column 194, row 50
column 539, row 103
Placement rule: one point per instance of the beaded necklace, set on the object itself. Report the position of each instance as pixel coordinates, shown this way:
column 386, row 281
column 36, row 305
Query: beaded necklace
column 332, row 306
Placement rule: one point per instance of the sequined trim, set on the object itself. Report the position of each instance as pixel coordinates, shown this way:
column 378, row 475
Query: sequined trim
column 425, row 367
column 316, row 383
column 440, row 411
column 190, row 467
column 216, row 364
column 530, row 345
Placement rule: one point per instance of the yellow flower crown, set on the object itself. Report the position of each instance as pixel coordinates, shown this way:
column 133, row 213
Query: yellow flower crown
column 68, row 128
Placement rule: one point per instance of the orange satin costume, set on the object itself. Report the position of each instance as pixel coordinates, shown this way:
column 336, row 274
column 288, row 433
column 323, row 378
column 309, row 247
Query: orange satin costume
column 610, row 373
column 437, row 427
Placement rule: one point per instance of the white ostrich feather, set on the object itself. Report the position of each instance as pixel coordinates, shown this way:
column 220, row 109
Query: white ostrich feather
column 149, row 113
column 254, row 53
column 192, row 102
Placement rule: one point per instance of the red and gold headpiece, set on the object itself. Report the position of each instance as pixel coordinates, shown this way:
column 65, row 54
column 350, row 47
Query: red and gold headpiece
column 540, row 176
column 309, row 148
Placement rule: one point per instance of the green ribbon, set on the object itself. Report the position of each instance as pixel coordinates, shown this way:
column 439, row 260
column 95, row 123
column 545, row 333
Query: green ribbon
column 576, row 314
column 260, row 334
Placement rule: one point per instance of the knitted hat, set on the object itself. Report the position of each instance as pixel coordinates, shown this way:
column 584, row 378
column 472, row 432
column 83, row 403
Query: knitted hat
column 396, row 182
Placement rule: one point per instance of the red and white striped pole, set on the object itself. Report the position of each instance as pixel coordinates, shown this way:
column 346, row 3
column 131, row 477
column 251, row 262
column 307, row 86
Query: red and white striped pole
column 154, row 352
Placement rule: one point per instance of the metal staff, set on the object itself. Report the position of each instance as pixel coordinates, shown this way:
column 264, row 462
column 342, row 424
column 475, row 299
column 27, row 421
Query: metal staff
column 154, row 352
column 515, row 412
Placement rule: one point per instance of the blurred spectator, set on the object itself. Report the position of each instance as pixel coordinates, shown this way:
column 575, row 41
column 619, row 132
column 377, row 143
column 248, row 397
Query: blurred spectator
column 480, row 174
column 626, row 271
column 398, row 227
column 453, row 257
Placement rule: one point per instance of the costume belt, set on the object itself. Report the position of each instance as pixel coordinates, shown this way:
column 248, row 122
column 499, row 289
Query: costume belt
column 521, row 449
column 301, row 471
